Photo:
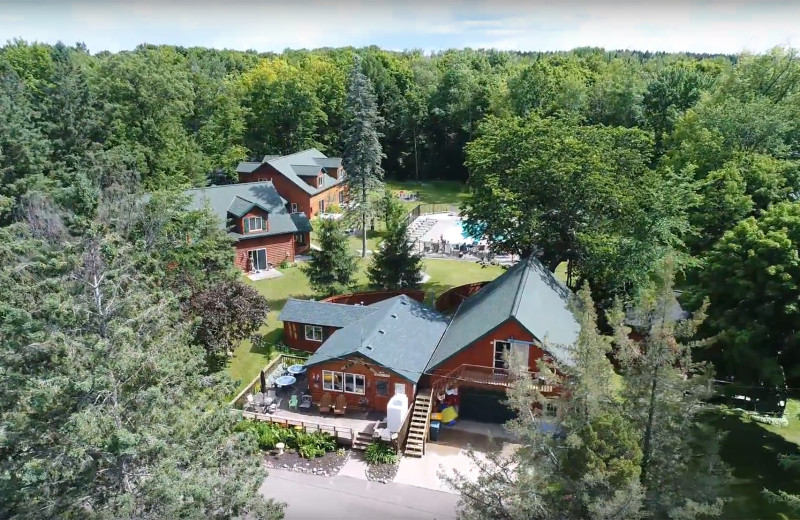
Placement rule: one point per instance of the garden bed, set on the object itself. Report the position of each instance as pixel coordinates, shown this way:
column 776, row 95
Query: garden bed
column 383, row 473
column 327, row 465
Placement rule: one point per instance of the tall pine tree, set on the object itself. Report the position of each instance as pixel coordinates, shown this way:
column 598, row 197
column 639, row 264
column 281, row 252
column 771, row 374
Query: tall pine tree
column 395, row 265
column 362, row 148
column 332, row 268
column 681, row 471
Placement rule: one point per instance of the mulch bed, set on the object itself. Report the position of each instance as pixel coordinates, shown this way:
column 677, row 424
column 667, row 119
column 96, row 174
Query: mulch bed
column 327, row 466
column 383, row 473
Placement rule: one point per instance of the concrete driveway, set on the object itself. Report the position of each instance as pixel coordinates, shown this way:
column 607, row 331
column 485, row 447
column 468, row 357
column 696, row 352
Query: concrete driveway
column 341, row 497
column 449, row 455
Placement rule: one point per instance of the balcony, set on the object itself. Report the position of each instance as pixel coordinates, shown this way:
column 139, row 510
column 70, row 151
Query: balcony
column 487, row 377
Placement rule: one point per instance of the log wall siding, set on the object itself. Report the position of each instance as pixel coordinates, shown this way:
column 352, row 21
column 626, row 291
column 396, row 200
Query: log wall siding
column 279, row 248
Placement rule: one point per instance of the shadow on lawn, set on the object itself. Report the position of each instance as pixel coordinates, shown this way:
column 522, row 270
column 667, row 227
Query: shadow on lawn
column 752, row 454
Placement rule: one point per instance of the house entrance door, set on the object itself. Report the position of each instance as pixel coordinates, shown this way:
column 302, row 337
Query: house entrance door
column 380, row 394
column 258, row 259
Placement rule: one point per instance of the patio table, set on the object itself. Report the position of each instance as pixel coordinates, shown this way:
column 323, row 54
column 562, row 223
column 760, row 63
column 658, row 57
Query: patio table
column 285, row 381
column 296, row 369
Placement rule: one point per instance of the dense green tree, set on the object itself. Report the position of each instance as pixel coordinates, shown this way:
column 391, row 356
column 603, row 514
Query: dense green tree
column 362, row 154
column 104, row 409
column 282, row 110
column 752, row 277
column 580, row 194
column 332, row 267
column 395, row 265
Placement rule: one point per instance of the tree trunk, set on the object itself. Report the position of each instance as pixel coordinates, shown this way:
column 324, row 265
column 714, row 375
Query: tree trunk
column 416, row 156
column 648, row 432
column 363, row 220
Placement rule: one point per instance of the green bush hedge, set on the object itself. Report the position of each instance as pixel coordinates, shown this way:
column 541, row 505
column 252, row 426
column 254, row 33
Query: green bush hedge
column 380, row 453
column 308, row 445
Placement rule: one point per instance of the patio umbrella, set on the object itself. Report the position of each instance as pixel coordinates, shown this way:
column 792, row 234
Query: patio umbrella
column 263, row 382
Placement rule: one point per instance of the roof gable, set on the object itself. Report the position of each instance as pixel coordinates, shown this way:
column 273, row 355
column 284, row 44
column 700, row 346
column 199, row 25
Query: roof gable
column 400, row 335
column 527, row 292
column 306, row 162
column 323, row 313
column 238, row 199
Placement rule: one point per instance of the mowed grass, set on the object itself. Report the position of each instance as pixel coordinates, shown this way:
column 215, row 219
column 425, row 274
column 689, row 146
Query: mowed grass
column 248, row 360
column 431, row 192
column 751, row 450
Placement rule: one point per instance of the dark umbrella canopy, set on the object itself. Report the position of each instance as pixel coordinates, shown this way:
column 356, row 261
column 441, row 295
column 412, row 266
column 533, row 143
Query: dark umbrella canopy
column 263, row 382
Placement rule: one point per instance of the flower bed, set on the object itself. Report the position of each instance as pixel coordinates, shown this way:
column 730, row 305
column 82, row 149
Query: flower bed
column 327, row 465
column 307, row 445
column 382, row 462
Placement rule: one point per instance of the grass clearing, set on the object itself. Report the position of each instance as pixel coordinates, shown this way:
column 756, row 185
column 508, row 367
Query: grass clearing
column 247, row 360
column 432, row 192
column 751, row 449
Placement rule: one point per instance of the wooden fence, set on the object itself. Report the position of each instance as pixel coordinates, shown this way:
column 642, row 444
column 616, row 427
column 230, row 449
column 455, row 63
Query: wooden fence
column 340, row 433
column 255, row 385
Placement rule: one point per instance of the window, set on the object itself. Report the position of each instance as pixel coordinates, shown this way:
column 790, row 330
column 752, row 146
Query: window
column 341, row 197
column 382, row 388
column 300, row 239
column 332, row 380
column 354, row 384
column 322, row 206
column 550, row 410
column 320, row 181
column 260, row 179
column 399, row 388
column 294, row 207
column 253, row 224
column 501, row 351
column 313, row 333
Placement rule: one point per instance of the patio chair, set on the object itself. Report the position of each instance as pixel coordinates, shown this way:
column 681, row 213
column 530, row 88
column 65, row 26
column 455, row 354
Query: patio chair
column 305, row 402
column 325, row 403
column 249, row 402
column 293, row 402
column 273, row 406
column 341, row 405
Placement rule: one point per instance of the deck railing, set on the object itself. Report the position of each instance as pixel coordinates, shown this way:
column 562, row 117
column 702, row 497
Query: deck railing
column 483, row 376
column 255, row 385
column 402, row 435
column 339, row 432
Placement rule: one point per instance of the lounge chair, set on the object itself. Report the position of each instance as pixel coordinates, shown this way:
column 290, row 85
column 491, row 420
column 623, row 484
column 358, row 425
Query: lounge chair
column 305, row 402
column 325, row 403
column 341, row 405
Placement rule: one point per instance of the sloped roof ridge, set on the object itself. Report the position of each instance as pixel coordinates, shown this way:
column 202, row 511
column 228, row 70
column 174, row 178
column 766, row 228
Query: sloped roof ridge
column 292, row 154
column 520, row 285
column 228, row 186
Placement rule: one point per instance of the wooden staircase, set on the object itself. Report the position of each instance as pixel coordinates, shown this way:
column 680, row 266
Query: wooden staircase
column 362, row 441
column 420, row 422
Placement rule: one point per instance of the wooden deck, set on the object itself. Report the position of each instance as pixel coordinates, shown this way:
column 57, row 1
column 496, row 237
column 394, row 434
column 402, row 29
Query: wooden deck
column 486, row 377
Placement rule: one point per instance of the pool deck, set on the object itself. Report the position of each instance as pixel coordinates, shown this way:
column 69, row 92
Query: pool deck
column 447, row 226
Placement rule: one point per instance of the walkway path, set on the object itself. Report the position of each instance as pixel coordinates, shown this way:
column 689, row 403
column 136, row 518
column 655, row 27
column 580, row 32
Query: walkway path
column 341, row 497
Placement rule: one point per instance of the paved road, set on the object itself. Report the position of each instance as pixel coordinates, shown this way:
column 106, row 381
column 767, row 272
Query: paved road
column 312, row 496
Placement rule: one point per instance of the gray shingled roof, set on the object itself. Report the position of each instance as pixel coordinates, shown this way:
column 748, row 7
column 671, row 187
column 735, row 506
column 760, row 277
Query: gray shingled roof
column 400, row 335
column 247, row 167
column 527, row 292
column 307, row 170
column 307, row 158
column 239, row 198
column 323, row 313
column 331, row 162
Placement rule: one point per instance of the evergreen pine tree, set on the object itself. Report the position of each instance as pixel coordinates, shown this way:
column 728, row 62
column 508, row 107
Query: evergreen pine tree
column 362, row 154
column 395, row 265
column 332, row 268
column 681, row 471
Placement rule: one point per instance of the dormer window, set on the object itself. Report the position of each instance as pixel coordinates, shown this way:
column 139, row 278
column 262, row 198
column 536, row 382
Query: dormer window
column 252, row 224
column 320, row 181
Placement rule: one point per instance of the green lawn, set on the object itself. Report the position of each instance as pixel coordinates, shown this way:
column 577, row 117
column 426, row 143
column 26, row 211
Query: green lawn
column 432, row 192
column 751, row 450
column 248, row 360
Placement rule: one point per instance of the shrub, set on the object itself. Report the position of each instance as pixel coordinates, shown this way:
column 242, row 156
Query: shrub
column 308, row 445
column 380, row 453
column 284, row 264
